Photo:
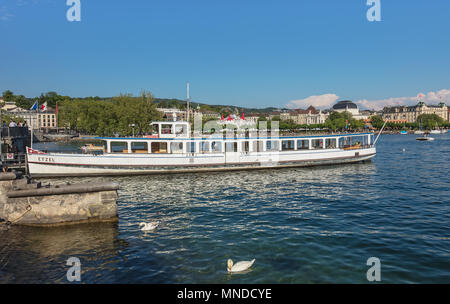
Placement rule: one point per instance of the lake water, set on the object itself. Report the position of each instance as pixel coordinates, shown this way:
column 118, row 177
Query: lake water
column 306, row 225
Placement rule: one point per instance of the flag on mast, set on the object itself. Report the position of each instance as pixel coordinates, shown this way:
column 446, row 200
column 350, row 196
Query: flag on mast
column 44, row 107
column 34, row 106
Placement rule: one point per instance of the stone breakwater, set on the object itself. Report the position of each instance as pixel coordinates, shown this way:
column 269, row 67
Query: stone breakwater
column 23, row 201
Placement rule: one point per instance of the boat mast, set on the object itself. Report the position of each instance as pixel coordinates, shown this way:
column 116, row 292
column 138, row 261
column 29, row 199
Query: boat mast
column 188, row 100
column 379, row 133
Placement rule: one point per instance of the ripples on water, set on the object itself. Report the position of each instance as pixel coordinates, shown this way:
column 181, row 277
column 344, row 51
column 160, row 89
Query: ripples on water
column 306, row 225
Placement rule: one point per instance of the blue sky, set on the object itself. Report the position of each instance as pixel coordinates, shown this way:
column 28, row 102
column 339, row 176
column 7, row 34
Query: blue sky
column 245, row 53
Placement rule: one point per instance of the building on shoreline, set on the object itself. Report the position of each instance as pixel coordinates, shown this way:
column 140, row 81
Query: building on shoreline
column 409, row 114
column 310, row 116
column 174, row 114
column 351, row 107
column 47, row 120
column 35, row 120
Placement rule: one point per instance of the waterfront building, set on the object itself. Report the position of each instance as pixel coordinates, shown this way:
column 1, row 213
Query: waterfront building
column 351, row 107
column 310, row 116
column 253, row 118
column 10, row 106
column 409, row 114
column 285, row 115
column 209, row 114
column 174, row 114
column 273, row 114
column 35, row 120
column 47, row 120
column 30, row 117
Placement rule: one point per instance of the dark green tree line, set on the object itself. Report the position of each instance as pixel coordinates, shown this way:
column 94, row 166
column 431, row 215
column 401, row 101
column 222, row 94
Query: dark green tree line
column 108, row 117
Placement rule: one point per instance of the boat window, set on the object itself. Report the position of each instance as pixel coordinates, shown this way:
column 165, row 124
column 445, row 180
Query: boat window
column 287, row 145
column 231, row 147
column 159, row 147
column 155, row 129
column 357, row 140
column 302, row 144
column 344, row 142
column 180, row 130
column 258, row 146
column 139, row 147
column 191, row 147
column 272, row 145
column 330, row 143
column 216, row 146
column 119, row 147
column 204, row 146
column 166, row 129
column 317, row 143
column 245, row 146
column 176, row 147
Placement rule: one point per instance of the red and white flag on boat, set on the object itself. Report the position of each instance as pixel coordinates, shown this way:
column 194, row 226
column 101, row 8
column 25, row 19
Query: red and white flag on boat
column 44, row 107
column 32, row 151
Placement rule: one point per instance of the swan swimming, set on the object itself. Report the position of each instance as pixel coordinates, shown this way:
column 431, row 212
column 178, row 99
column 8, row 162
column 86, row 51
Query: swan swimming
column 148, row 226
column 239, row 266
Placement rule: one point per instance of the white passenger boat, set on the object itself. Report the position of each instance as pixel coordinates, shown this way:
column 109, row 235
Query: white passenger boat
column 173, row 150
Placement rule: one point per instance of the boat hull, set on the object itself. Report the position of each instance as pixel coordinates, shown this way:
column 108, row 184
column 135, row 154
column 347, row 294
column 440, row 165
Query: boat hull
column 57, row 164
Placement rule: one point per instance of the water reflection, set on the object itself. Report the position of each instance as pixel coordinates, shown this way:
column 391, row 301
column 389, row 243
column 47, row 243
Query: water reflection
column 44, row 251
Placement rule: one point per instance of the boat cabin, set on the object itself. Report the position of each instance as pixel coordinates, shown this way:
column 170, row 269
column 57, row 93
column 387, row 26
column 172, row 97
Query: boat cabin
column 173, row 138
column 166, row 129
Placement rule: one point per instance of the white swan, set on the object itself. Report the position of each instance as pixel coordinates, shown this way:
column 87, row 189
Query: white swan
column 148, row 226
column 239, row 266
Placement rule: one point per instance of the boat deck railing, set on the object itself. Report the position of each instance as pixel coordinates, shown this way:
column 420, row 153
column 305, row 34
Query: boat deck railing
column 14, row 132
column 13, row 160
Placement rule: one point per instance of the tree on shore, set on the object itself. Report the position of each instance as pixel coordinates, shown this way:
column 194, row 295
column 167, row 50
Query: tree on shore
column 8, row 95
column 108, row 117
column 341, row 120
column 377, row 121
column 429, row 121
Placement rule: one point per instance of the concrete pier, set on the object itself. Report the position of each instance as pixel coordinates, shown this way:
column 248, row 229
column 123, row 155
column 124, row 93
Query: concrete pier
column 24, row 201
